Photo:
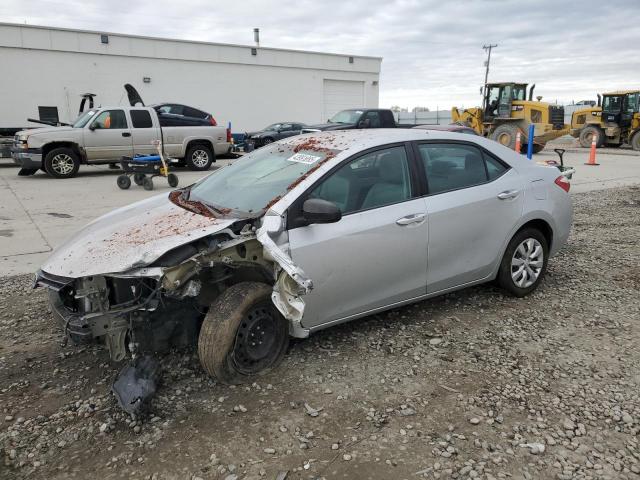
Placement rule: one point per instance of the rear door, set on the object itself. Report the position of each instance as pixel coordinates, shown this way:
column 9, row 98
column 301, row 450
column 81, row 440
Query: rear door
column 108, row 136
column 474, row 201
column 143, row 132
column 376, row 254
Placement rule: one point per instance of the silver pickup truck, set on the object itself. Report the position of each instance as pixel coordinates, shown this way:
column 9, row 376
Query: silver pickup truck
column 104, row 135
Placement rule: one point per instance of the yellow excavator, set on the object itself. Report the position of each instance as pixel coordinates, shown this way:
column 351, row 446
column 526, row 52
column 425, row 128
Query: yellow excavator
column 506, row 110
column 615, row 119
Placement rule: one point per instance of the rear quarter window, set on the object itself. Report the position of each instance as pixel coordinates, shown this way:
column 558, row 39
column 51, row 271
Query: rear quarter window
column 141, row 119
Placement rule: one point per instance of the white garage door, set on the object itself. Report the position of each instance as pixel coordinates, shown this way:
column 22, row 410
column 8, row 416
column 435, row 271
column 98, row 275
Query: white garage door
column 342, row 94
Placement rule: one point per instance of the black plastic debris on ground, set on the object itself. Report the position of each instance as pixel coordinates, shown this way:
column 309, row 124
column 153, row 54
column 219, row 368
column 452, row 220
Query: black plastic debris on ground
column 137, row 384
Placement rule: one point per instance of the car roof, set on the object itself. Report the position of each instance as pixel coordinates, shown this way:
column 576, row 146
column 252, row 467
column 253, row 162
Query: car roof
column 362, row 139
column 452, row 127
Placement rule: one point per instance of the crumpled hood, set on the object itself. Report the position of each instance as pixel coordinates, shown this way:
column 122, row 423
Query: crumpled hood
column 130, row 237
column 329, row 126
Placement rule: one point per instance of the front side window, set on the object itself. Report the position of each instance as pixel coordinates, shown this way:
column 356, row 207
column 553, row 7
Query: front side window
column 451, row 167
column 374, row 119
column 83, row 119
column 373, row 180
column 257, row 179
column 110, row 120
column 612, row 104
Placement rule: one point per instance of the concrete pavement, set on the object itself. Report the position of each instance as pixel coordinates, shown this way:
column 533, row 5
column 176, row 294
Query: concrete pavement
column 38, row 213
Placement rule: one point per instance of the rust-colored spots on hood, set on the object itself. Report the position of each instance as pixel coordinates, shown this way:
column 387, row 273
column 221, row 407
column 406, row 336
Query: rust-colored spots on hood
column 191, row 205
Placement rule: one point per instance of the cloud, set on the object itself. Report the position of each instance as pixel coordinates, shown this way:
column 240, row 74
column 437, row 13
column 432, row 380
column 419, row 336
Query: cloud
column 432, row 49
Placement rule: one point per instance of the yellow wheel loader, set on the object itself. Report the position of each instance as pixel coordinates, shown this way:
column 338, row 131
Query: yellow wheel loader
column 616, row 120
column 506, row 110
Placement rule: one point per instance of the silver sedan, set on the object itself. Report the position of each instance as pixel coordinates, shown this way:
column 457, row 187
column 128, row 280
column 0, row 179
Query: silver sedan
column 303, row 234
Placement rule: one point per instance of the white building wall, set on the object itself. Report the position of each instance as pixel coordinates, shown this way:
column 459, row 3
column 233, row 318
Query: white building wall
column 52, row 67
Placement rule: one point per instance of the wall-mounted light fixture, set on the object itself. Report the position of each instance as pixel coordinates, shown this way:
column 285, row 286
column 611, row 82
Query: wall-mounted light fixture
column 104, row 39
column 374, row 83
column 146, row 79
column 254, row 51
column 350, row 59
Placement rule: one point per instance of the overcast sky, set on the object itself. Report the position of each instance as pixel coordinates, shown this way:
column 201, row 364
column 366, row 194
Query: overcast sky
column 432, row 49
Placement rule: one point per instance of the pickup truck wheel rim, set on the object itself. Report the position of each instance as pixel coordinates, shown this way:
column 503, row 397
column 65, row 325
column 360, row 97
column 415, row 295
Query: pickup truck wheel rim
column 527, row 263
column 62, row 164
column 200, row 158
column 256, row 338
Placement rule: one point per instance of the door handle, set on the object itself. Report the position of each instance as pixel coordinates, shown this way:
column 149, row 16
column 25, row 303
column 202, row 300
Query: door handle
column 126, row 134
column 409, row 219
column 507, row 194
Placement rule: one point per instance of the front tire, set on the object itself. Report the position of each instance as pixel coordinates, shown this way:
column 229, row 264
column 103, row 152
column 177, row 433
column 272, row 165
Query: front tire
column 506, row 135
column 524, row 262
column 199, row 157
column 243, row 334
column 62, row 163
column 586, row 136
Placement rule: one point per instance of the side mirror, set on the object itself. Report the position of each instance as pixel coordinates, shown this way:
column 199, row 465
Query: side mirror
column 316, row 210
column 92, row 127
column 366, row 123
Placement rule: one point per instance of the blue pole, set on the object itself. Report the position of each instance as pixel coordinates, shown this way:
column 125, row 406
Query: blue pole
column 530, row 142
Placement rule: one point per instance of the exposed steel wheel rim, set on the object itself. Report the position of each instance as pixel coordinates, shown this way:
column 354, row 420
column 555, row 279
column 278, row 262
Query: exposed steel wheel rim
column 257, row 339
column 62, row 164
column 504, row 138
column 527, row 262
column 200, row 158
column 267, row 141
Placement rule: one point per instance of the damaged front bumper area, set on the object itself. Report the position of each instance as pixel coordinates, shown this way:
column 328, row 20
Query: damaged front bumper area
column 126, row 313
column 160, row 306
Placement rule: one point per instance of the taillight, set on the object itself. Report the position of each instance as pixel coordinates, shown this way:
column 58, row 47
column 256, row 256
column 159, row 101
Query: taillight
column 213, row 122
column 229, row 138
column 563, row 183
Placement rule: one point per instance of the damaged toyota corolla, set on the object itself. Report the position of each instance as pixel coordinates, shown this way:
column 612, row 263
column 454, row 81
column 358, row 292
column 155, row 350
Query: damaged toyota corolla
column 300, row 235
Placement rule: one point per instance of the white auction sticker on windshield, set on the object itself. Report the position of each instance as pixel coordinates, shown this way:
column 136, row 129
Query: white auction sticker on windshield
column 303, row 158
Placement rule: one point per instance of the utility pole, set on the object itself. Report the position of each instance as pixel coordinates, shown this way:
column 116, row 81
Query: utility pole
column 486, row 73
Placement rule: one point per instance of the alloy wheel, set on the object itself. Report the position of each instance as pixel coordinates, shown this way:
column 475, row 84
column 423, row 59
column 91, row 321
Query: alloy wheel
column 62, row 164
column 200, row 158
column 527, row 263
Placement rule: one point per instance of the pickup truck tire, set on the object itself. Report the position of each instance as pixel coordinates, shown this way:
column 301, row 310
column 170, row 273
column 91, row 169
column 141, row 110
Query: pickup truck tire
column 199, row 157
column 243, row 334
column 62, row 163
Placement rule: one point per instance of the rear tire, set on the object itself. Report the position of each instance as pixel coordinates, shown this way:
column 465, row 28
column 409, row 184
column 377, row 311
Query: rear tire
column 199, row 157
column 506, row 135
column 524, row 262
column 62, row 163
column 243, row 334
column 586, row 136
column 635, row 141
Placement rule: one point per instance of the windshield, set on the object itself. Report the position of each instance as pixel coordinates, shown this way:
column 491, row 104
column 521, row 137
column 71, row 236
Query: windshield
column 253, row 182
column 612, row 104
column 346, row 116
column 84, row 118
column 519, row 92
column 275, row 126
column 632, row 103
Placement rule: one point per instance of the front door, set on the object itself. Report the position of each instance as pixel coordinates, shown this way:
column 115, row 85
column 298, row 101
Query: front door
column 108, row 136
column 474, row 202
column 376, row 255
column 504, row 104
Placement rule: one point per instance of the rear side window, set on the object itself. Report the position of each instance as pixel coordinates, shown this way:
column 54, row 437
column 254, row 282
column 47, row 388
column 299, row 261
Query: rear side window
column 141, row 119
column 452, row 167
column 495, row 168
column 192, row 112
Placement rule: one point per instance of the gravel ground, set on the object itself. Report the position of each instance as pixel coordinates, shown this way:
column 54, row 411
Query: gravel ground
column 470, row 385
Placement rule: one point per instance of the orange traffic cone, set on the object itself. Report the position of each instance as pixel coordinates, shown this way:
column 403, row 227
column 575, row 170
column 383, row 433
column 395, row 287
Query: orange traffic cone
column 518, row 141
column 592, row 153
